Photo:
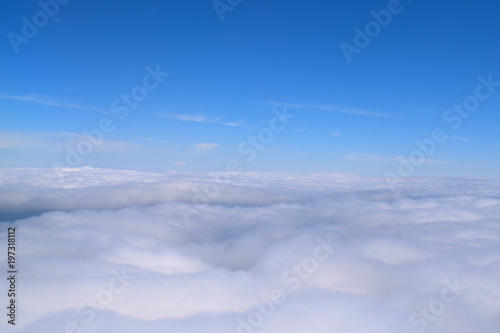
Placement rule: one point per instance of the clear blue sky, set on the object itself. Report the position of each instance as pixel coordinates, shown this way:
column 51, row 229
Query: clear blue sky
column 226, row 77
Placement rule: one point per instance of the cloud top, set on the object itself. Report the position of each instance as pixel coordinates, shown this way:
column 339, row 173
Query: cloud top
column 110, row 251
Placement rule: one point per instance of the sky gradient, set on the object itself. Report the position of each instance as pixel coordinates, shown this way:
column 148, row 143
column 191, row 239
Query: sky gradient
column 227, row 79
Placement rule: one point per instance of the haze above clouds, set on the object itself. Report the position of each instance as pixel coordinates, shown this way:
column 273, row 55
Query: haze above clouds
column 394, row 251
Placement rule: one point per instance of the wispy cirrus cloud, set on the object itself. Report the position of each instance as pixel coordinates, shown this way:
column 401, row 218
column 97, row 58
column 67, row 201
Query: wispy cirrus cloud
column 459, row 138
column 200, row 118
column 337, row 132
column 32, row 140
column 54, row 142
column 203, row 148
column 366, row 157
column 375, row 158
column 44, row 100
column 331, row 108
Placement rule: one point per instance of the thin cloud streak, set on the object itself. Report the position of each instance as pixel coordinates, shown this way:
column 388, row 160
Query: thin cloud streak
column 203, row 148
column 374, row 158
column 330, row 108
column 53, row 142
column 200, row 119
column 43, row 100
column 337, row 132
column 458, row 138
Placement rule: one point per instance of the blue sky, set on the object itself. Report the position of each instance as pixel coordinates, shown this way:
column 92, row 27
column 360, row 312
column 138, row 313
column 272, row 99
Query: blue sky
column 227, row 76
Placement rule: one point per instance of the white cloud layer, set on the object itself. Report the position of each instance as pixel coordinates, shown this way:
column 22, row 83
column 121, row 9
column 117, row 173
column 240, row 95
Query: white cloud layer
column 109, row 251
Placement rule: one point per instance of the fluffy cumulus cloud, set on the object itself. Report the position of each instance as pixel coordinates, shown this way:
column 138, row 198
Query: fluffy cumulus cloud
column 121, row 251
